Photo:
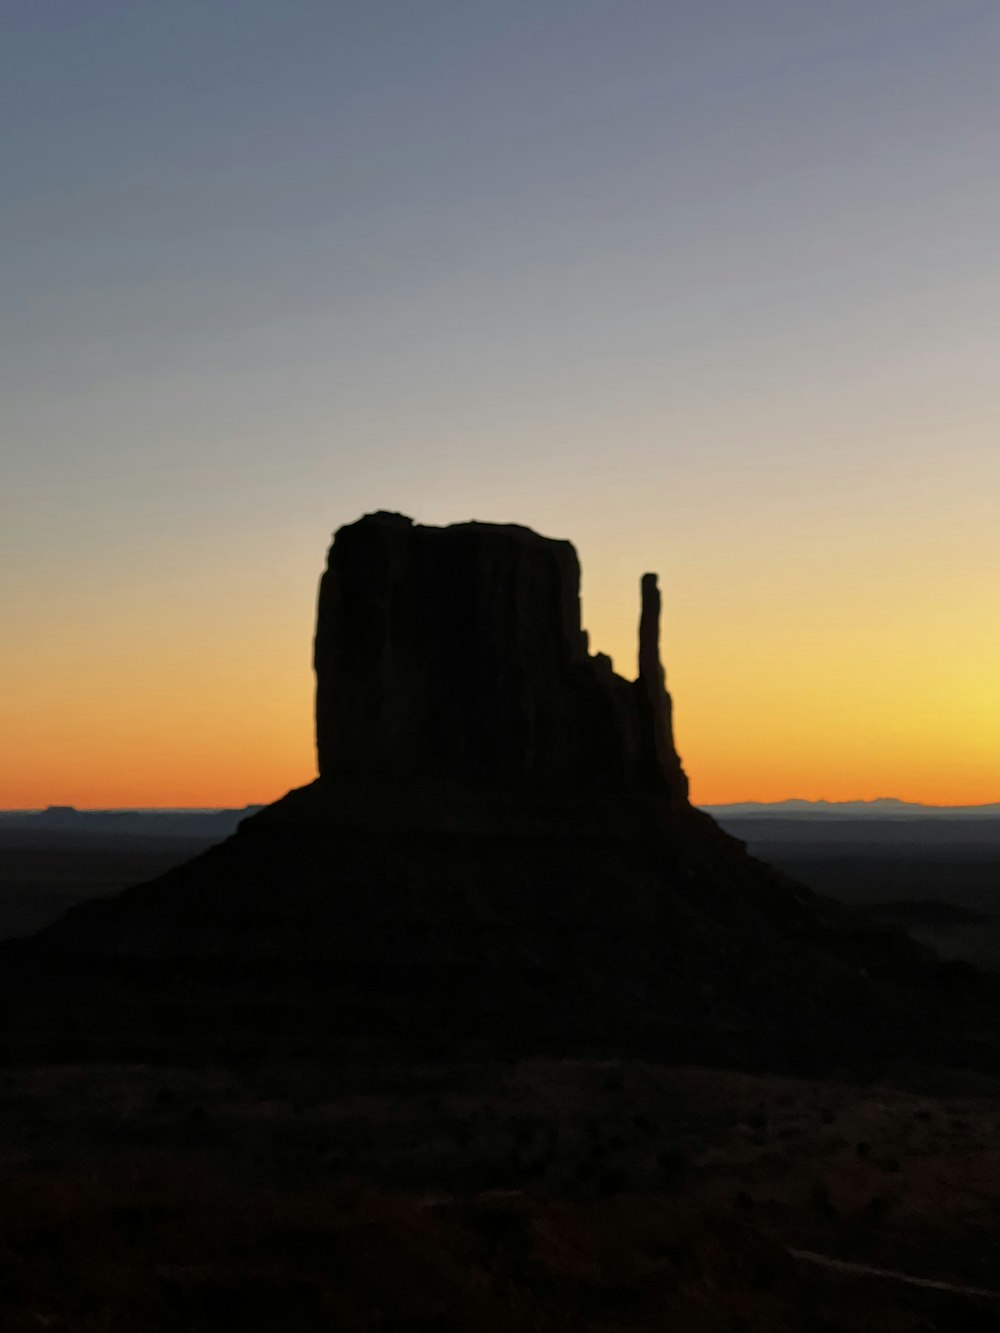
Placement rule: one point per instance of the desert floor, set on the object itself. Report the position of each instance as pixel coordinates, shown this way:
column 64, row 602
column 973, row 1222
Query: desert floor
column 542, row 1195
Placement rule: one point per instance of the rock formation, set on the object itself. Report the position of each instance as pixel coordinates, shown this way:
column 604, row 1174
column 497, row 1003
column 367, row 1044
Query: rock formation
column 457, row 653
column 499, row 851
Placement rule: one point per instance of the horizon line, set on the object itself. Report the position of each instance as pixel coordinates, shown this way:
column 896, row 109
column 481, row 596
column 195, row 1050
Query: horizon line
column 706, row 805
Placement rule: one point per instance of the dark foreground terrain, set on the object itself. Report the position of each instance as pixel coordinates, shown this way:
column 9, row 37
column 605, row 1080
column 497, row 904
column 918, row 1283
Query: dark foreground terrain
column 376, row 1188
column 259, row 1165
column 534, row 1195
column 188, row 1147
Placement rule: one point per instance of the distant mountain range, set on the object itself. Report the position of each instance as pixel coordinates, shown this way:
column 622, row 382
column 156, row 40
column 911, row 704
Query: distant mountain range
column 62, row 820
column 220, row 823
column 884, row 807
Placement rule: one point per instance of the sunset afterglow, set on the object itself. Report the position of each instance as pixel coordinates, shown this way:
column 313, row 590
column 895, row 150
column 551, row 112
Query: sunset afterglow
column 709, row 290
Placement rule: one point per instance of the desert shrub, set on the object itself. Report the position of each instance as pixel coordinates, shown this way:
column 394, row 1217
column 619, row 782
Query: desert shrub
column 672, row 1160
column 612, row 1181
column 525, row 1130
column 877, row 1208
column 503, row 1229
column 460, row 1132
column 821, row 1201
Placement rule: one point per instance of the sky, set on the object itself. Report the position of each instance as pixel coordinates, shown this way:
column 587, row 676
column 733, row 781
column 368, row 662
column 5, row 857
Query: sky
column 709, row 287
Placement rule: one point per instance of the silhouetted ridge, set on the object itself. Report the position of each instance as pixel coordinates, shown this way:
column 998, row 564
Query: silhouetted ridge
column 458, row 653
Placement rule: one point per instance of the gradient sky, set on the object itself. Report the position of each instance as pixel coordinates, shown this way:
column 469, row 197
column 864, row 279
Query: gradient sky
column 708, row 286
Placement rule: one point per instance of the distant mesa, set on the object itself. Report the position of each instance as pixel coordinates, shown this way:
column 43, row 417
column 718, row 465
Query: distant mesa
column 59, row 814
column 66, row 823
column 881, row 809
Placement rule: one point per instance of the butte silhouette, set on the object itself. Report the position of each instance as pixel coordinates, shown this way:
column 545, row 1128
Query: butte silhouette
column 499, row 852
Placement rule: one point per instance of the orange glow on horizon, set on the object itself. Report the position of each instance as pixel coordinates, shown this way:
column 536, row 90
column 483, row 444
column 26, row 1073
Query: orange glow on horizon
column 878, row 682
column 827, row 728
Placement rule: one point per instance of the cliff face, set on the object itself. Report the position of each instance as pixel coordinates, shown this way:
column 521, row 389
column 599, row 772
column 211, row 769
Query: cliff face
column 457, row 653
